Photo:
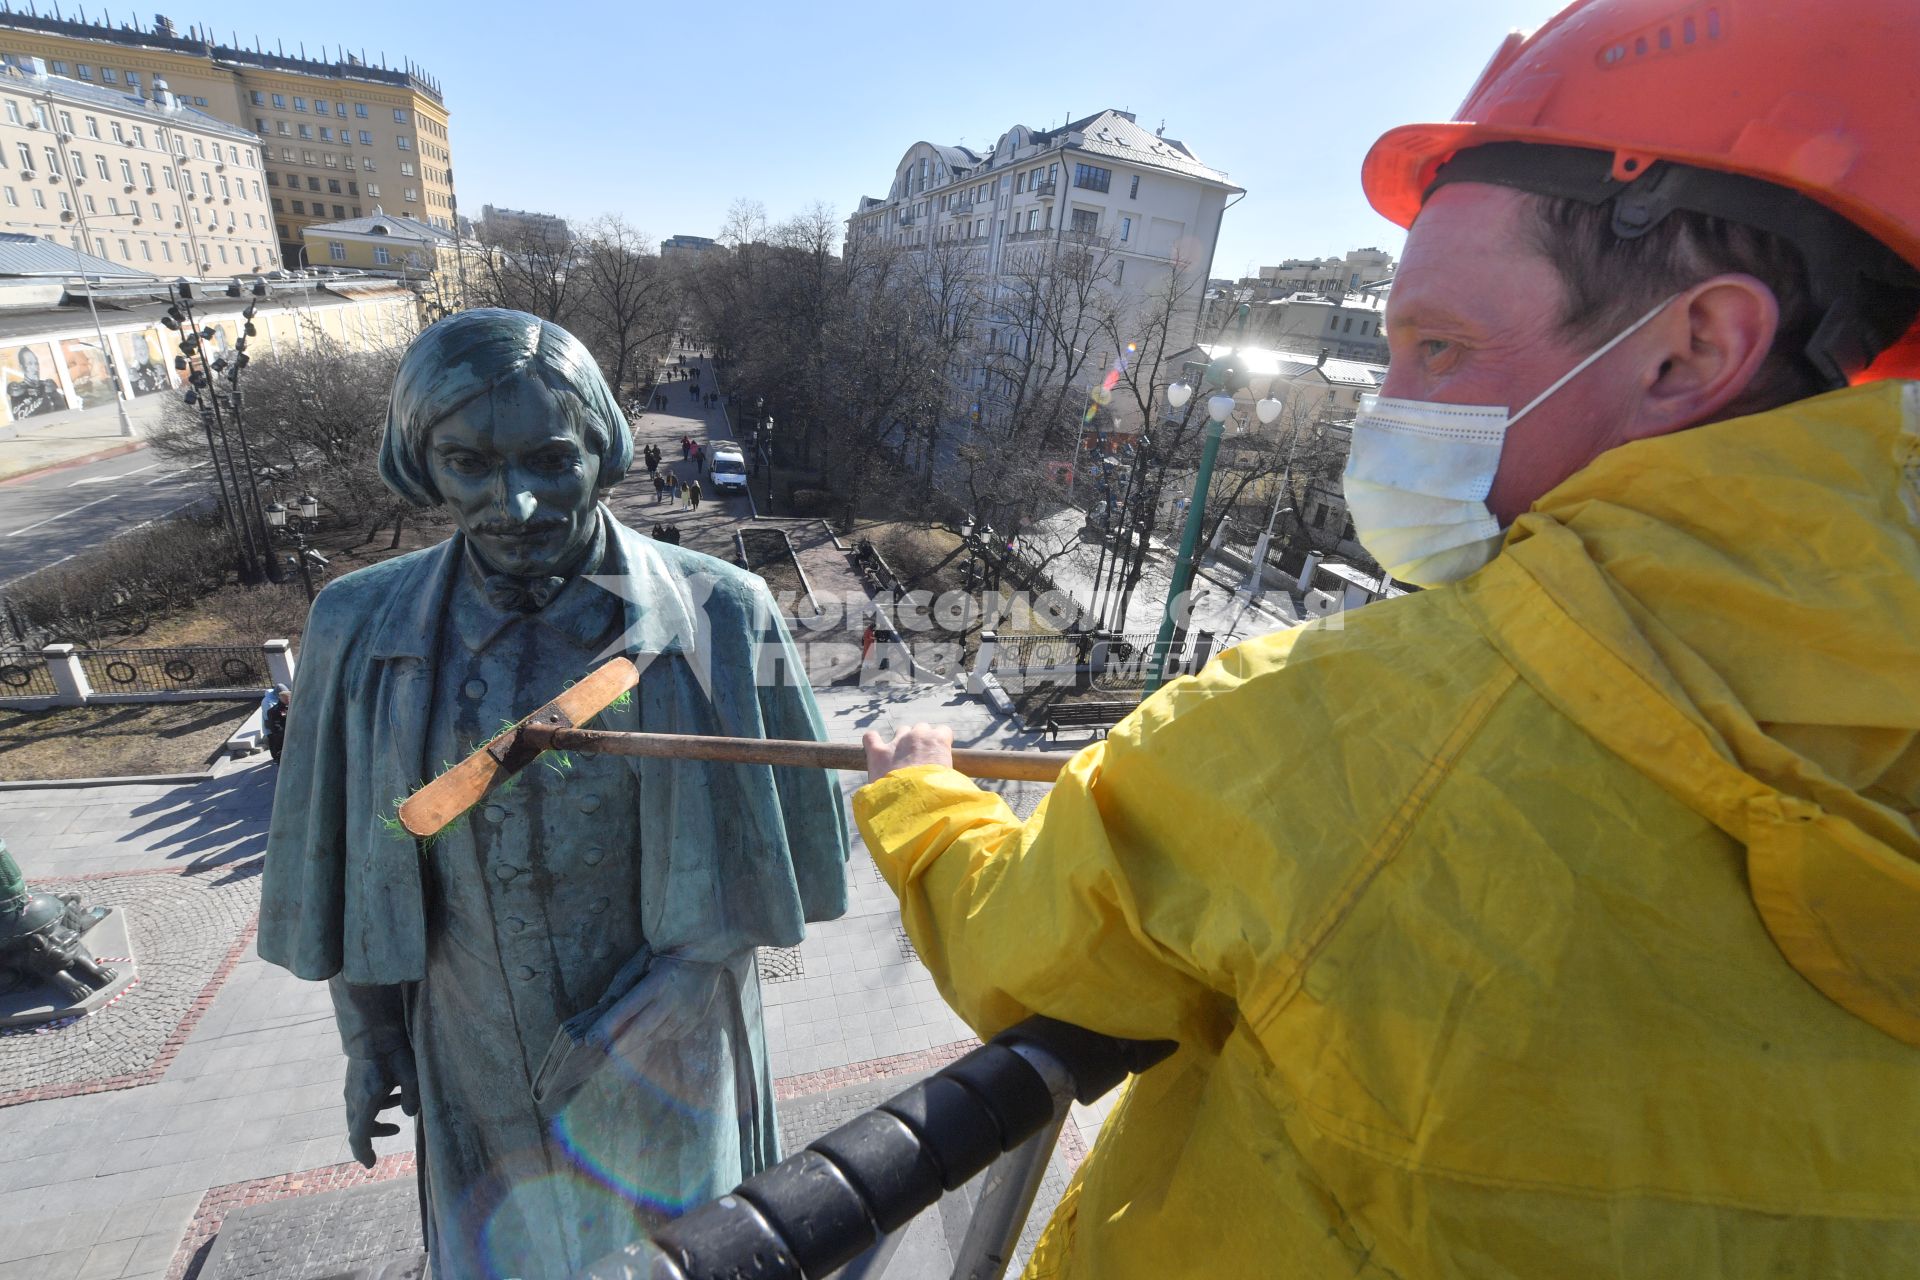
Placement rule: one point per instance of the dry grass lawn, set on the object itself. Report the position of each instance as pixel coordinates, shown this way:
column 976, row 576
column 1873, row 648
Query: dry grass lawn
column 115, row 741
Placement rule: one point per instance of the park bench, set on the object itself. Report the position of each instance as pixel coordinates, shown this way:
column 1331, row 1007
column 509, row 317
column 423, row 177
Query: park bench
column 1097, row 716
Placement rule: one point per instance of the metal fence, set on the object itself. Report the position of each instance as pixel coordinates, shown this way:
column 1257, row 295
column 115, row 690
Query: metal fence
column 24, row 674
column 202, row 667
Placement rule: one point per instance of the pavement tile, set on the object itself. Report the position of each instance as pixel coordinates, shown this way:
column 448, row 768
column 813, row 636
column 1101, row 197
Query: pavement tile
column 64, row 1265
column 106, row 1261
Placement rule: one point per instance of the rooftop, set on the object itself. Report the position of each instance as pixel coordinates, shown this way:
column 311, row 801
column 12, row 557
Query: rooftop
column 382, row 224
column 65, row 89
column 199, row 42
column 24, row 255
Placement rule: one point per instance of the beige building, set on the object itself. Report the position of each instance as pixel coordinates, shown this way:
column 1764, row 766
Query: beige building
column 1348, row 328
column 147, row 181
column 388, row 244
column 337, row 136
column 1329, row 276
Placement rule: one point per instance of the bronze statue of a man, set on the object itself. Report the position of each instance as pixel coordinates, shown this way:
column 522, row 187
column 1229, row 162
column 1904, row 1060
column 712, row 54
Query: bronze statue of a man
column 601, row 911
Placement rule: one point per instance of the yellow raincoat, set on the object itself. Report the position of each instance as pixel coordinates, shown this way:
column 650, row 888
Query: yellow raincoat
column 1564, row 923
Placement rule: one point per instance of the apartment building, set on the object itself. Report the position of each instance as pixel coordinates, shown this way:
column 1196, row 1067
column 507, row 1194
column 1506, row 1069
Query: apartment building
column 337, row 136
column 1351, row 327
column 141, row 179
column 1355, row 270
column 501, row 225
column 1103, row 177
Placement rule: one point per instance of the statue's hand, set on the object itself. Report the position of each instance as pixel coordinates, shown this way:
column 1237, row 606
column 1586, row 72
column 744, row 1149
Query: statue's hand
column 375, row 1085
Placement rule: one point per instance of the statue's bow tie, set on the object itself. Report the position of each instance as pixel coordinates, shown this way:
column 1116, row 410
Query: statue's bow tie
column 521, row 595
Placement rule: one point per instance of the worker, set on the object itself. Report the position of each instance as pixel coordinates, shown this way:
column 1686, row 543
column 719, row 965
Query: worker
column 1563, row 919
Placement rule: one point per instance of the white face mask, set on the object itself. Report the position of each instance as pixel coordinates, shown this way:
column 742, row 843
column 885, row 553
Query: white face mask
column 1419, row 473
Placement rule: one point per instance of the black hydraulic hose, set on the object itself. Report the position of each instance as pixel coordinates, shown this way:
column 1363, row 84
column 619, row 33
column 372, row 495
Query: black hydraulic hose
column 820, row 1209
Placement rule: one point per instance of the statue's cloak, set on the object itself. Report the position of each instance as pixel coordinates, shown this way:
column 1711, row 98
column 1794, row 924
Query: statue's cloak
column 734, row 856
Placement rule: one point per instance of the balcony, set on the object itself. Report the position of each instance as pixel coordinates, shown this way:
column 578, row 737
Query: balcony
column 906, row 219
column 1045, row 189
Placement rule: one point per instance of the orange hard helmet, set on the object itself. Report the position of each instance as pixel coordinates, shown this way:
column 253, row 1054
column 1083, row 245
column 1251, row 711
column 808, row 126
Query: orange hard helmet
column 1819, row 97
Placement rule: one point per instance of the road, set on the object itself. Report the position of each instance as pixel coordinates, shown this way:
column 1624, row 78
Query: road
column 46, row 518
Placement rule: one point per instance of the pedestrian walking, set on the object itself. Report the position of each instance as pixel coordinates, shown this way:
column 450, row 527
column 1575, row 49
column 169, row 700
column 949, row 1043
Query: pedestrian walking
column 659, row 484
column 699, row 454
column 693, row 495
column 686, row 447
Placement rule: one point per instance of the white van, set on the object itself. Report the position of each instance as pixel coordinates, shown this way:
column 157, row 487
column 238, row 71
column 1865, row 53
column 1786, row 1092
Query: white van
column 727, row 469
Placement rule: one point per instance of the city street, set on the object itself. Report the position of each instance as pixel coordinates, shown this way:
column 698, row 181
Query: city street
column 51, row 515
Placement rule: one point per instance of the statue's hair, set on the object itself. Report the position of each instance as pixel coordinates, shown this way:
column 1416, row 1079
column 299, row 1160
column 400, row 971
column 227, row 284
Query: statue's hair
column 468, row 355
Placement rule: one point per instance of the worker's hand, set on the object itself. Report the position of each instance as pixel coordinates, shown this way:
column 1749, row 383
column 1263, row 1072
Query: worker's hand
column 375, row 1085
column 921, row 744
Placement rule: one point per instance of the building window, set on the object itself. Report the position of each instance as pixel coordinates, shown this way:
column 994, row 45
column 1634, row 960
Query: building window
column 1019, row 183
column 85, row 71
column 226, row 192
column 282, row 128
column 199, row 102
column 206, row 186
column 353, row 189
column 320, row 106
column 400, row 117
column 366, row 139
column 331, row 160
column 39, row 198
column 1126, row 228
column 279, row 102
column 381, row 255
column 223, row 252
column 146, row 251
column 336, row 251
column 356, row 211
column 259, row 98
column 12, row 199
column 413, row 194
column 300, row 207
column 306, row 132
column 166, row 250
column 299, row 103
column 339, row 211
column 403, row 142
column 59, row 67
column 256, row 189
column 66, row 123
column 93, row 127
column 366, row 164
column 1133, row 191
column 139, row 136
column 313, row 184
column 326, row 134
column 1092, row 177
column 306, row 157
column 125, row 251
column 13, row 112
column 107, row 74
column 133, row 79
column 100, row 167
column 26, row 156
column 333, row 185
column 373, row 190
column 1119, row 270
column 260, row 125
column 167, row 176
column 91, row 206
column 200, row 148
column 406, row 171
column 126, row 172
column 360, row 109
column 53, row 162
column 340, row 110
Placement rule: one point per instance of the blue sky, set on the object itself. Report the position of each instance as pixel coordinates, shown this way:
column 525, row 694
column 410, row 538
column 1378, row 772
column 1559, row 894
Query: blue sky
column 667, row 113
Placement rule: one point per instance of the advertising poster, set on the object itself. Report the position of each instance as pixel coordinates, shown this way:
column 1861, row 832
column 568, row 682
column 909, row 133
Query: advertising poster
column 144, row 352
column 30, row 392
column 90, row 371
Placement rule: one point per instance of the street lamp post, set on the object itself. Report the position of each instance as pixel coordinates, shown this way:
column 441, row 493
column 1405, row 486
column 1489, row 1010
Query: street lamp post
column 1223, row 373
column 86, row 246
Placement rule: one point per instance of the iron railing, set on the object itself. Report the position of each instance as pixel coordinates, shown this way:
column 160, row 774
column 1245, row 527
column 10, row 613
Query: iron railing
column 203, row 667
column 1112, row 662
column 24, row 674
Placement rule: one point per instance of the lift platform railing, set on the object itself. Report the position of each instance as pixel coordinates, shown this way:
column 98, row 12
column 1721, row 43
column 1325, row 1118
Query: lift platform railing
column 840, row 1208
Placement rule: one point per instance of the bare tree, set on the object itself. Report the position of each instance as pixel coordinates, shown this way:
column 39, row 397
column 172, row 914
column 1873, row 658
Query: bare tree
column 529, row 266
column 628, row 305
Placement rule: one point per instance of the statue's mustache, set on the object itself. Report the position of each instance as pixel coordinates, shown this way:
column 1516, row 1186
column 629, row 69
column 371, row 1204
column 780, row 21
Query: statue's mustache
column 518, row 529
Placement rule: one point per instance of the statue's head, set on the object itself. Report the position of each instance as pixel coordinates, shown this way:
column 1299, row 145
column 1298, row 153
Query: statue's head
column 504, row 420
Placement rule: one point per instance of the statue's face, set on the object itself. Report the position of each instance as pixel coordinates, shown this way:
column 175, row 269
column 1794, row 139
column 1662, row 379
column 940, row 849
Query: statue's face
column 518, row 479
